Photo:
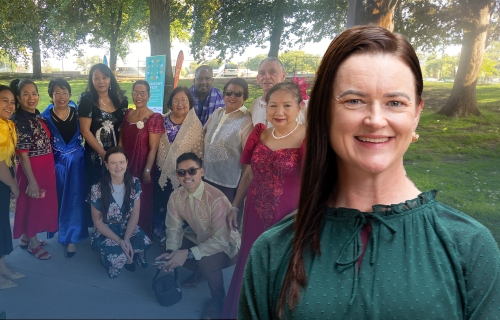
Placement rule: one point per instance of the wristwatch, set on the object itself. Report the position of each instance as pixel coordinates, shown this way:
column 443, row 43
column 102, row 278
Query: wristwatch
column 190, row 254
column 147, row 170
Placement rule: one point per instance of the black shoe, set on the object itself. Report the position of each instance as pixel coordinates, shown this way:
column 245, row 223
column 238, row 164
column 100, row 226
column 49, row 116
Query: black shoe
column 130, row 266
column 214, row 309
column 68, row 254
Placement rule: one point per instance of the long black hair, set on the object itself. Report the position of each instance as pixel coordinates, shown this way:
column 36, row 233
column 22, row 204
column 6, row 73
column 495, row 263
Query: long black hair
column 106, row 183
column 16, row 86
column 114, row 91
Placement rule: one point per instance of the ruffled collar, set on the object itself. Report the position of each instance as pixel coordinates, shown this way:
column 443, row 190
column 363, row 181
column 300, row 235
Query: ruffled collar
column 385, row 210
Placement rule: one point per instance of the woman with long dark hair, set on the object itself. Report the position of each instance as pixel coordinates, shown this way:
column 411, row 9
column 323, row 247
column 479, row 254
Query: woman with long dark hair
column 101, row 109
column 140, row 137
column 61, row 117
column 8, row 183
column 36, row 206
column 365, row 242
column 115, row 206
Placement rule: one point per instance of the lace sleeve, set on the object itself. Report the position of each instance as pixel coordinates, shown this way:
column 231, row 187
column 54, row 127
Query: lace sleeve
column 156, row 124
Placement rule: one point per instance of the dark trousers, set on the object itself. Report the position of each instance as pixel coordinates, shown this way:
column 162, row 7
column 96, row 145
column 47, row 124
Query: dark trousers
column 210, row 267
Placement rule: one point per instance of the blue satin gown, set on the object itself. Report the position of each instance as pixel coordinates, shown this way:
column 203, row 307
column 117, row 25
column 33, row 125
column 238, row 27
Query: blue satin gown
column 74, row 214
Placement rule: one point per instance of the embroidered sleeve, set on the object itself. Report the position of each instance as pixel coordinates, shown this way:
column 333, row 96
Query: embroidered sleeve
column 246, row 129
column 95, row 197
column 173, row 223
column 85, row 105
column 252, row 141
column 219, row 241
column 24, row 134
column 156, row 124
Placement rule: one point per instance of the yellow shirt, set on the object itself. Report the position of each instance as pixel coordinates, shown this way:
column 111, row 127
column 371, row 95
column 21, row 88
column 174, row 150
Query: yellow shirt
column 8, row 141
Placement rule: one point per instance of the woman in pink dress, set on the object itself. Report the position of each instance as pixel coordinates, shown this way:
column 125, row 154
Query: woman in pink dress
column 271, row 179
column 142, row 129
column 36, row 207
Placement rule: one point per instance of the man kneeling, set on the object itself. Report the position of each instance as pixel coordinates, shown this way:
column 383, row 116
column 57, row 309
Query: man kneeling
column 208, row 245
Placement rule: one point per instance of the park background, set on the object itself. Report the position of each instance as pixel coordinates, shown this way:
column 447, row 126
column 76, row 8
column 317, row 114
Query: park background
column 458, row 43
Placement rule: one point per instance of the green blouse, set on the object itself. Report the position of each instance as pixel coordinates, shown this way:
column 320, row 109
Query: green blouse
column 423, row 260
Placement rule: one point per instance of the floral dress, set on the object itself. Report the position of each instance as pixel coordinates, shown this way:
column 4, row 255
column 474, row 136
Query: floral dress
column 112, row 255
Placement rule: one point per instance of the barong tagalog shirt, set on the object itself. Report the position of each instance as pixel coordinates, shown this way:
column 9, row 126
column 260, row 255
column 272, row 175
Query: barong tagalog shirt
column 206, row 212
column 225, row 134
column 423, row 260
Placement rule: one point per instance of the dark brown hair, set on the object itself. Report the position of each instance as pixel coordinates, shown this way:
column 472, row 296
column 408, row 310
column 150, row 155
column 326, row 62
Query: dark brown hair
column 319, row 171
column 186, row 92
column 238, row 82
column 291, row 87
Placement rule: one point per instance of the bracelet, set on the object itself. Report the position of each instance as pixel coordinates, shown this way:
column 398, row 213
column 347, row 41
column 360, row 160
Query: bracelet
column 235, row 208
column 147, row 170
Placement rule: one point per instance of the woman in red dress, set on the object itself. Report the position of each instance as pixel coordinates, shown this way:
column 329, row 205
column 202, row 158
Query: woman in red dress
column 36, row 206
column 271, row 178
column 142, row 129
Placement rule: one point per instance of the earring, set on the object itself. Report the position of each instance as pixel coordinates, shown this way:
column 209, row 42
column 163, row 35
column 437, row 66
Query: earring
column 414, row 136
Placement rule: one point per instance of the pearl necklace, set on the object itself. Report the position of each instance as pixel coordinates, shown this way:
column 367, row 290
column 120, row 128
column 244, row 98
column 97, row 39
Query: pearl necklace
column 286, row 135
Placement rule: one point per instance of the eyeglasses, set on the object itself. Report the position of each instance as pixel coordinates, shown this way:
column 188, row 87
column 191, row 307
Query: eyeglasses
column 176, row 102
column 140, row 93
column 236, row 93
column 59, row 94
column 191, row 171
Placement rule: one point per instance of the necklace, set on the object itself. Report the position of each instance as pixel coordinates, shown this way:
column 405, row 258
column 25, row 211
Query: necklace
column 113, row 187
column 105, row 105
column 286, row 135
column 67, row 116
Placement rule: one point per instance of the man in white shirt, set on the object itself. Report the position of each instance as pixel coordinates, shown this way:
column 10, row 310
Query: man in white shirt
column 208, row 245
column 271, row 72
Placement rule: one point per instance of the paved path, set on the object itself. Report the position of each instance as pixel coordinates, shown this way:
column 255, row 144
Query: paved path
column 79, row 288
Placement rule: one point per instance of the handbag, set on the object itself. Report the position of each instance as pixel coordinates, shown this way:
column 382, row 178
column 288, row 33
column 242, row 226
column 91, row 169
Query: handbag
column 166, row 289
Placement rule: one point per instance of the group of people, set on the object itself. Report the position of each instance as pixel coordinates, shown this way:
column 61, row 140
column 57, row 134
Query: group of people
column 331, row 225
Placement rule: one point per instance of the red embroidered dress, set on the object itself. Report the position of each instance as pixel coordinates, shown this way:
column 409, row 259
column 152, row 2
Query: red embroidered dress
column 272, row 194
column 136, row 145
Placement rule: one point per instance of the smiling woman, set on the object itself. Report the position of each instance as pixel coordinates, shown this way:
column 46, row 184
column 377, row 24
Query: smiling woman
column 365, row 242
column 140, row 138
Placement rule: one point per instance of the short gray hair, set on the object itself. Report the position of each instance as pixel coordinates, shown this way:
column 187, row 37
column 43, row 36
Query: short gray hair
column 273, row 59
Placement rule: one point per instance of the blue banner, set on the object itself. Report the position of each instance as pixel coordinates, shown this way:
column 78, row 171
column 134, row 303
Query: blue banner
column 155, row 76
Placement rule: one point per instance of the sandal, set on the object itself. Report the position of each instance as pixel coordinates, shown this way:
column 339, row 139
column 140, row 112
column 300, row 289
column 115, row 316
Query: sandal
column 8, row 284
column 39, row 253
column 23, row 244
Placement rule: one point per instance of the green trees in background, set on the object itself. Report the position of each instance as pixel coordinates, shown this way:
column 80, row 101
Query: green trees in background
column 28, row 28
column 227, row 27
column 85, row 63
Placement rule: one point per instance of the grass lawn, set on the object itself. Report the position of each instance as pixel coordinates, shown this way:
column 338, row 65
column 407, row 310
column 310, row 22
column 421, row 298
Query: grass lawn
column 459, row 157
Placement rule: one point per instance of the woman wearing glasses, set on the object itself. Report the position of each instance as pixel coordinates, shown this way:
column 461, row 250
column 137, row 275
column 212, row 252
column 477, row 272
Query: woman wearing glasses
column 183, row 133
column 140, row 137
column 100, row 112
column 271, row 179
column 226, row 133
column 36, row 206
column 66, row 141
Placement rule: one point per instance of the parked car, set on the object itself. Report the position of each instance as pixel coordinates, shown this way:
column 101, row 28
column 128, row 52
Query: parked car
column 228, row 70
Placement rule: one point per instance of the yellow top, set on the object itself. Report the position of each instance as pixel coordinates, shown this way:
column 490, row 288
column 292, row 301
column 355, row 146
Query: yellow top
column 8, row 141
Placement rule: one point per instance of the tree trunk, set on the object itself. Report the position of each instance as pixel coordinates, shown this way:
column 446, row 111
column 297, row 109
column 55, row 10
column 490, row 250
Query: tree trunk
column 116, row 20
column 159, row 39
column 37, row 59
column 379, row 12
column 462, row 101
column 276, row 33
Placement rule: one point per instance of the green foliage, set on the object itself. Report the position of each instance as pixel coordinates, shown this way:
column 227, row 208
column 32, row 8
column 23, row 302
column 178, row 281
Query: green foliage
column 115, row 24
column 47, row 67
column 227, row 27
column 441, row 68
column 254, row 63
column 85, row 63
column 296, row 61
column 53, row 25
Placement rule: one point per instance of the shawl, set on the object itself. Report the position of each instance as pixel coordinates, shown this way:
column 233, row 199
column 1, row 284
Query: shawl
column 8, row 141
column 215, row 101
column 190, row 138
